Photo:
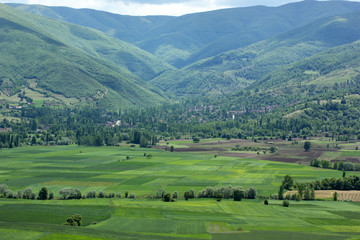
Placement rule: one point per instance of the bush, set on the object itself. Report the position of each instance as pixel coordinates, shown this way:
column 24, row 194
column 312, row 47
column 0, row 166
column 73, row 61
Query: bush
column 91, row 194
column 251, row 193
column 160, row 193
column 186, row 195
column 51, row 195
column 286, row 203
column 102, row 194
column 74, row 220
column 167, row 197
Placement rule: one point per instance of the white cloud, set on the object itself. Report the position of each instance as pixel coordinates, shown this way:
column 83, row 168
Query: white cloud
column 154, row 7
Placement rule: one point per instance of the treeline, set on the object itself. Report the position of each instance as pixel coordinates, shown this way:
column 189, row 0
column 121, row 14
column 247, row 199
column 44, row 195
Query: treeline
column 306, row 190
column 227, row 192
column 345, row 183
column 342, row 166
column 65, row 193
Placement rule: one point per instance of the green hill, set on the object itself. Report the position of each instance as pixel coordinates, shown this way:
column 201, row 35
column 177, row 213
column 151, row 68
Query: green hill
column 38, row 63
column 328, row 69
column 127, row 28
column 189, row 38
column 239, row 68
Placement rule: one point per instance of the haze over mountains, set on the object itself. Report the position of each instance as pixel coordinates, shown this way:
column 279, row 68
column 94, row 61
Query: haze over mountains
column 126, row 60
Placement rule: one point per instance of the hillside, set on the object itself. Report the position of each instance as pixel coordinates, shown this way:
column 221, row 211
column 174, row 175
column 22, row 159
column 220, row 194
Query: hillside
column 252, row 62
column 189, row 38
column 332, row 68
column 236, row 69
column 38, row 64
column 126, row 28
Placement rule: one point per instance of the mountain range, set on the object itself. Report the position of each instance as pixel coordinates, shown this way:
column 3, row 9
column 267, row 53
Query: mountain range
column 120, row 61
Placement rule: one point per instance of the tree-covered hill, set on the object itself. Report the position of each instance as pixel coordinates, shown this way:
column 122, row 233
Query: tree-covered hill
column 51, row 64
column 189, row 38
column 236, row 69
column 329, row 69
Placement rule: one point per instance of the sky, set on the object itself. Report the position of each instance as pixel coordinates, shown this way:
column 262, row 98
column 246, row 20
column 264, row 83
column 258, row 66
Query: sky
column 154, row 7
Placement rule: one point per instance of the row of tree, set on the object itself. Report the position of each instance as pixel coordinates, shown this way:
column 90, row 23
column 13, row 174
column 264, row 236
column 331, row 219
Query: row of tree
column 343, row 166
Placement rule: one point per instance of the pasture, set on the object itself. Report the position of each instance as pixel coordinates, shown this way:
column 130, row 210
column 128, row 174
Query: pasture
column 126, row 169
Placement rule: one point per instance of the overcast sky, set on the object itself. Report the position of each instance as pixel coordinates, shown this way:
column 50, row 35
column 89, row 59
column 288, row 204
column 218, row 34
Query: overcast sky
column 154, row 7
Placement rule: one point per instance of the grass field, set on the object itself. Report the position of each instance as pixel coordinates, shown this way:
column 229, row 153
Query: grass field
column 121, row 169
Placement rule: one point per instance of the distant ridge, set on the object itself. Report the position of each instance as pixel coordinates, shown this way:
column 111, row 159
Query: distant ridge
column 189, row 38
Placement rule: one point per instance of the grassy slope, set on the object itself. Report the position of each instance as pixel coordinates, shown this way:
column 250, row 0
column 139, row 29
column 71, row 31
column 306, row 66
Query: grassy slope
column 30, row 52
column 107, row 169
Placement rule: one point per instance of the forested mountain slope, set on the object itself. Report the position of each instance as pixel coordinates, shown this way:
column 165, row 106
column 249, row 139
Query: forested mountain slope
column 31, row 57
column 236, row 69
column 186, row 39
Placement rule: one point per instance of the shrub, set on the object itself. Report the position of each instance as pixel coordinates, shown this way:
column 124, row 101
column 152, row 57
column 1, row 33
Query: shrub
column 160, row 193
column 132, row 195
column 167, row 197
column 102, row 194
column 251, row 193
column 219, row 197
column 335, row 196
column 286, row 203
column 51, row 195
column 186, row 195
column 91, row 194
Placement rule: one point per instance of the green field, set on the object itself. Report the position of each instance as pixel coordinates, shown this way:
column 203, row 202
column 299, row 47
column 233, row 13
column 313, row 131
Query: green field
column 121, row 169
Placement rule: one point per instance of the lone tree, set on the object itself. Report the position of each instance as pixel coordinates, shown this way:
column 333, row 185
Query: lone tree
column 43, row 193
column 307, row 146
column 74, row 220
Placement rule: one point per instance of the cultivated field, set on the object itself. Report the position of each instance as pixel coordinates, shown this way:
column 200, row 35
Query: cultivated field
column 121, row 169
column 342, row 195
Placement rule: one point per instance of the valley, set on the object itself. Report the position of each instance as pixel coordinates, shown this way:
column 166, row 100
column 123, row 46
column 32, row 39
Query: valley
column 238, row 123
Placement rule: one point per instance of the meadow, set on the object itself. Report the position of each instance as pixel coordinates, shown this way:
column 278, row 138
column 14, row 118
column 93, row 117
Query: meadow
column 142, row 172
